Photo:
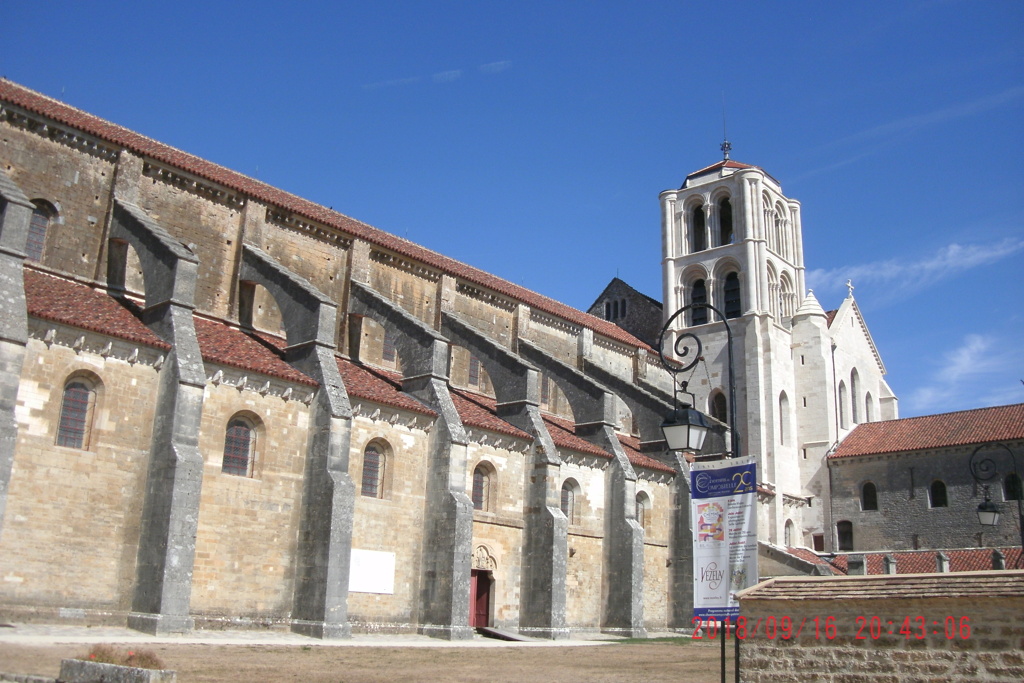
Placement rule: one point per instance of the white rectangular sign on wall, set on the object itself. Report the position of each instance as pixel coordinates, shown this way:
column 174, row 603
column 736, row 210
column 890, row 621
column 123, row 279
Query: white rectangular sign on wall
column 372, row 571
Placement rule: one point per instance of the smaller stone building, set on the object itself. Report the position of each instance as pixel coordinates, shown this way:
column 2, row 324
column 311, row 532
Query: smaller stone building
column 907, row 484
column 918, row 627
column 640, row 315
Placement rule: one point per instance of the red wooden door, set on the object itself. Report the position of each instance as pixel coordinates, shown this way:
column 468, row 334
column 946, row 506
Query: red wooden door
column 480, row 598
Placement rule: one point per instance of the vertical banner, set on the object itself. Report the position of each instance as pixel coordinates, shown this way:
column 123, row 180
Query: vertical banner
column 723, row 496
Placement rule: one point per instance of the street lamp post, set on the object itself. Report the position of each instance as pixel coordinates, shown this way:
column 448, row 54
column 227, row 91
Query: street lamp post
column 984, row 470
column 682, row 429
column 686, row 427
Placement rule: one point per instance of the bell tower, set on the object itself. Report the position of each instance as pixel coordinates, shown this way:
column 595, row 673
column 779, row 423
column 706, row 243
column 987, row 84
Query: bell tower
column 732, row 239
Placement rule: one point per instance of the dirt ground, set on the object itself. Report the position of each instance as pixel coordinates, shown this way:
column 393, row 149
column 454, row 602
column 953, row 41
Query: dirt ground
column 678, row 661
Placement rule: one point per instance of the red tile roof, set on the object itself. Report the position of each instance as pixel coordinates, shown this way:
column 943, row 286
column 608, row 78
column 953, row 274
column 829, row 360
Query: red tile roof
column 809, row 556
column 924, row 561
column 631, row 445
column 480, row 411
column 78, row 305
column 830, row 316
column 225, row 345
column 966, row 427
column 58, row 111
column 379, row 386
column 563, row 433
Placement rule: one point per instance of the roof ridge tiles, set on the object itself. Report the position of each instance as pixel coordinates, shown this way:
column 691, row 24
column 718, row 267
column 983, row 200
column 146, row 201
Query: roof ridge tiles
column 68, row 115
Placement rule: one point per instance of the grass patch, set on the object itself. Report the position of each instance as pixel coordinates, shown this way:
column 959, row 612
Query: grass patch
column 108, row 654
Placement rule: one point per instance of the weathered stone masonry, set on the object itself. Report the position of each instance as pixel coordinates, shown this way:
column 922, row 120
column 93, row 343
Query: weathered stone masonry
column 192, row 297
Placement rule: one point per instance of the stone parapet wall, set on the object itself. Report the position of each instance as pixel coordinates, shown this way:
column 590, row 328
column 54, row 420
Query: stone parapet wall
column 912, row 628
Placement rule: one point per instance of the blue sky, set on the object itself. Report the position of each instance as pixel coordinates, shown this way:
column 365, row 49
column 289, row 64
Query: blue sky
column 531, row 139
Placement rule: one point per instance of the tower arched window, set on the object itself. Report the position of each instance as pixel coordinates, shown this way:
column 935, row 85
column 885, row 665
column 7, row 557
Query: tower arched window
column 868, row 496
column 643, row 508
column 854, row 393
column 569, row 503
column 699, row 295
column 375, row 468
column 844, row 535
column 38, row 226
column 731, row 291
column 76, row 411
column 1012, row 488
column 698, row 227
column 842, row 405
column 725, row 222
column 869, row 408
column 239, row 448
column 937, row 495
column 784, row 436
column 483, row 483
column 718, row 407
column 790, row 533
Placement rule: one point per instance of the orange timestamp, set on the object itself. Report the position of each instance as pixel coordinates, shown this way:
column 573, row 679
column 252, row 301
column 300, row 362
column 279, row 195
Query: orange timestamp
column 827, row 627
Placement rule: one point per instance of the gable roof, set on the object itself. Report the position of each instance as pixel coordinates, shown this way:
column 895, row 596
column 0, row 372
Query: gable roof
column 962, row 428
column 718, row 166
column 618, row 284
column 477, row 410
column 379, row 386
column 925, row 561
column 65, row 114
column 631, row 445
column 78, row 305
column 225, row 345
column 848, row 308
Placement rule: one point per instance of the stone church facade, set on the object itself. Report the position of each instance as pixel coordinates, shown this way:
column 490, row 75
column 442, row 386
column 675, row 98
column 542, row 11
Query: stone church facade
column 223, row 404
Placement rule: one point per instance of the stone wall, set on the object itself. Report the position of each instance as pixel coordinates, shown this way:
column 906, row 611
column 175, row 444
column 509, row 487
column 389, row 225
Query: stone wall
column 906, row 519
column 914, row 628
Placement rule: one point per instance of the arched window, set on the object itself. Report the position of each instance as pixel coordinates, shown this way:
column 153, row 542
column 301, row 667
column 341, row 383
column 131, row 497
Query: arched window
column 569, row 491
column 787, row 300
column 725, row 221
column 868, row 496
column 1012, row 488
column 733, row 305
column 854, row 393
column 239, row 448
column 937, row 495
column 842, row 405
column 76, row 410
column 643, row 507
column 784, row 436
column 844, row 535
column 774, row 295
column 699, row 295
column 483, row 480
column 42, row 216
column 869, row 408
column 698, row 227
column 718, row 407
column 375, row 465
column 790, row 533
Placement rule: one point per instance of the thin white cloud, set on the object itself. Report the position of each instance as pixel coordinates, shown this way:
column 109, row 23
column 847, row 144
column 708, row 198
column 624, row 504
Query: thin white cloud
column 913, row 276
column 982, row 371
column 447, row 76
column 494, row 67
column 395, row 82
column 932, row 118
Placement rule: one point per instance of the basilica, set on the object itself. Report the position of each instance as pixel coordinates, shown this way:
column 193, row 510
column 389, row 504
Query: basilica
column 224, row 405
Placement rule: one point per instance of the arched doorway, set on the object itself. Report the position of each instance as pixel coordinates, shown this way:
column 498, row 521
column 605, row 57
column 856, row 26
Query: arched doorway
column 481, row 587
